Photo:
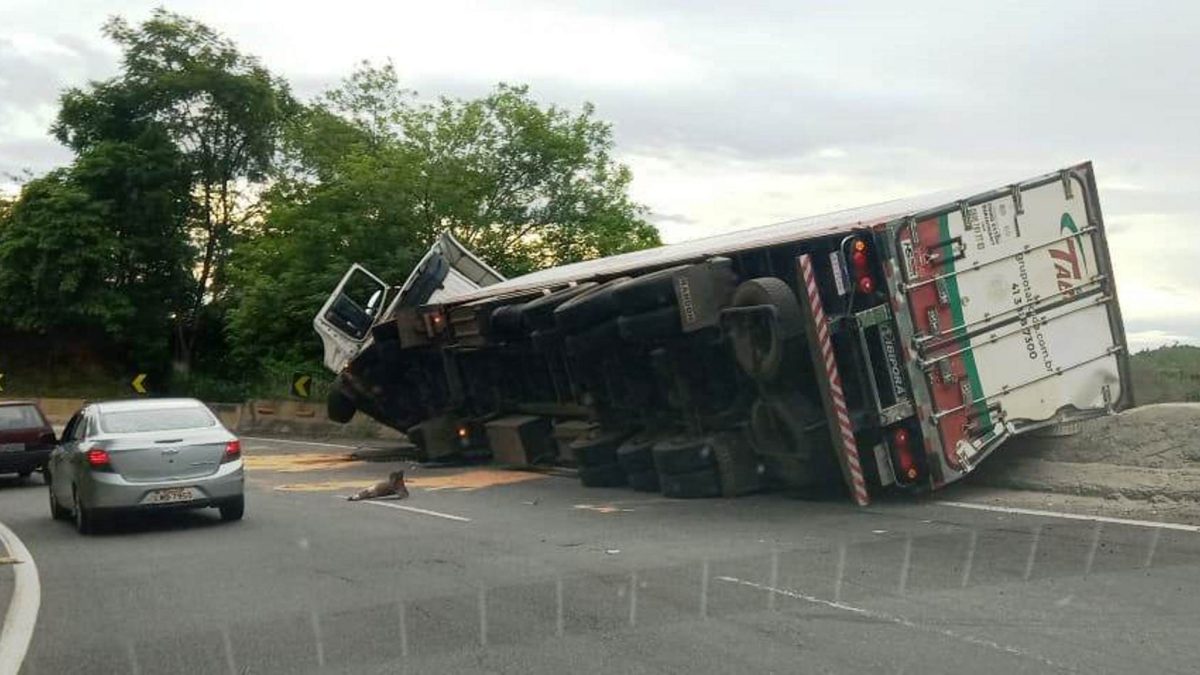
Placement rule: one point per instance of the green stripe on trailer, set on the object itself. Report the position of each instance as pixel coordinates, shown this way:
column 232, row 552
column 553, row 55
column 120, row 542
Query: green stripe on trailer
column 956, row 313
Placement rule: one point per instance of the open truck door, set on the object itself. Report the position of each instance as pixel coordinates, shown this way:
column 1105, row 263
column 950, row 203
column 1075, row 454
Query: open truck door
column 362, row 300
column 1009, row 298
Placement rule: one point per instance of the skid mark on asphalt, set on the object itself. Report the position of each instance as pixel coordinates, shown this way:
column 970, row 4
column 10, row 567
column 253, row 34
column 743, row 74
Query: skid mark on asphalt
column 296, row 463
column 466, row 481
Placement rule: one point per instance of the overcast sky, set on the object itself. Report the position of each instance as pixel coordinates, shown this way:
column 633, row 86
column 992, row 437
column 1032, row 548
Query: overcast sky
column 734, row 114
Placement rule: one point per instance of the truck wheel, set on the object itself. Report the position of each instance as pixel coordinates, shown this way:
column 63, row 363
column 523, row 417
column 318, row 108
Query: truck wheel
column 737, row 466
column 657, row 289
column 682, row 456
column 646, row 481
column 339, row 407
column 506, row 321
column 600, row 338
column 538, row 314
column 636, row 455
column 658, row 324
column 599, row 451
column 593, row 306
column 546, row 339
column 694, row 485
column 760, row 356
column 605, row 475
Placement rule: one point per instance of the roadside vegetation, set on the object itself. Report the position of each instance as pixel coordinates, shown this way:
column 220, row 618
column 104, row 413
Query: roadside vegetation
column 1167, row 374
column 208, row 212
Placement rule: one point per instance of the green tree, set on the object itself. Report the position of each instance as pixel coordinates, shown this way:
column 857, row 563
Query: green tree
column 100, row 247
column 222, row 111
column 372, row 175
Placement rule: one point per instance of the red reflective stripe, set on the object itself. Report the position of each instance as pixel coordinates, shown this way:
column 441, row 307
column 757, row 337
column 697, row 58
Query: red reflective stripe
column 849, row 445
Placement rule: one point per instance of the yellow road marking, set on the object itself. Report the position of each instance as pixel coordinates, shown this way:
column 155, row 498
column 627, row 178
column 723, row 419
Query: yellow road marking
column 297, row 462
column 472, row 480
column 465, row 481
column 321, row 486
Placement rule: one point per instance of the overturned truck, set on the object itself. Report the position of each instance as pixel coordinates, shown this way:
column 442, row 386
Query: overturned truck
column 885, row 348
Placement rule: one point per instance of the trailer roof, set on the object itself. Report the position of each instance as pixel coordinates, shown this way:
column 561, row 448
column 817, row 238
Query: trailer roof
column 788, row 231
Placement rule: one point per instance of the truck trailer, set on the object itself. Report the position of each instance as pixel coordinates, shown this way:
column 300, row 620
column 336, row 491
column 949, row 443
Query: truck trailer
column 887, row 348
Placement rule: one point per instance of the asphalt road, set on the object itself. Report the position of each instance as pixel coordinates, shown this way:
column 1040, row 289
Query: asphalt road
column 513, row 572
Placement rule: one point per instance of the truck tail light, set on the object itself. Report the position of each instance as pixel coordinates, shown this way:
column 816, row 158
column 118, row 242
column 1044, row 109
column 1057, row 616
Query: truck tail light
column 233, row 450
column 861, row 264
column 99, row 460
column 907, row 470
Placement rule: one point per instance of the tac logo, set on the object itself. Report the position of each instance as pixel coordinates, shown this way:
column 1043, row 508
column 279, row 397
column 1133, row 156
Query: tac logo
column 1070, row 263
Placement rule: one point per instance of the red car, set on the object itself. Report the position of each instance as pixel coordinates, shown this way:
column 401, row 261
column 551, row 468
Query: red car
column 26, row 438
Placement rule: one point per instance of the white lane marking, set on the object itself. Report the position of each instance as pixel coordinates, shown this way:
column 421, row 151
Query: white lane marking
column 1072, row 516
column 17, row 630
column 413, row 509
column 313, row 443
column 893, row 619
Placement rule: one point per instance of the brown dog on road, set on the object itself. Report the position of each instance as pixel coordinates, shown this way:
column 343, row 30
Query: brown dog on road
column 394, row 485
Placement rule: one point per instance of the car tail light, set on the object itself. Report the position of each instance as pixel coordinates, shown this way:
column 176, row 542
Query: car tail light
column 861, row 264
column 906, row 462
column 98, row 459
column 233, row 450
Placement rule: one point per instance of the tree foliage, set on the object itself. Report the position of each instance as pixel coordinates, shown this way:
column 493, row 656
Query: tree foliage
column 373, row 175
column 220, row 109
column 206, row 209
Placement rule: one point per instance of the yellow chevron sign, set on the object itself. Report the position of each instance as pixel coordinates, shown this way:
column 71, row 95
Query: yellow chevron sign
column 139, row 383
column 302, row 385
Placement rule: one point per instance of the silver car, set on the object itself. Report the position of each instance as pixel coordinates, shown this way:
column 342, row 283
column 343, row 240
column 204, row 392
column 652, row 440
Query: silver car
column 144, row 455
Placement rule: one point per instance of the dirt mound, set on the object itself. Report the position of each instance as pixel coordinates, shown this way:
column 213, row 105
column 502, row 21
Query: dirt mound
column 1162, row 436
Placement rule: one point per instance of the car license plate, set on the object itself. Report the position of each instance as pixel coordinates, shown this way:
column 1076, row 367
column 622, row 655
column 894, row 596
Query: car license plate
column 170, row 496
column 12, row 447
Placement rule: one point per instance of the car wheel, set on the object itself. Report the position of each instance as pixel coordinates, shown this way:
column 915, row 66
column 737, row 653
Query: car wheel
column 24, row 475
column 607, row 475
column 85, row 522
column 694, row 485
column 233, row 509
column 683, row 455
column 57, row 512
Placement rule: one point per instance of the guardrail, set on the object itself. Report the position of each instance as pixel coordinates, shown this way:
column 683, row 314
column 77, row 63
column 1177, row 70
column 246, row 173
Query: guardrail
column 257, row 416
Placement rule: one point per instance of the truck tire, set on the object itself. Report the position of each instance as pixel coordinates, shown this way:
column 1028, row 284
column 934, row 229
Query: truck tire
column 683, row 455
column 339, row 407
column 605, row 475
column 740, row 471
column 538, row 314
column 506, row 321
column 547, row 339
column 649, row 291
column 593, row 306
column 657, row 289
column 596, row 339
column 652, row 326
column 599, row 451
column 694, row 485
column 646, row 481
column 636, row 455
column 762, row 359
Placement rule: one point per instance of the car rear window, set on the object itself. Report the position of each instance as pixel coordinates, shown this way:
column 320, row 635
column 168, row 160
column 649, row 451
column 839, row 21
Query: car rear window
column 159, row 419
column 20, row 417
